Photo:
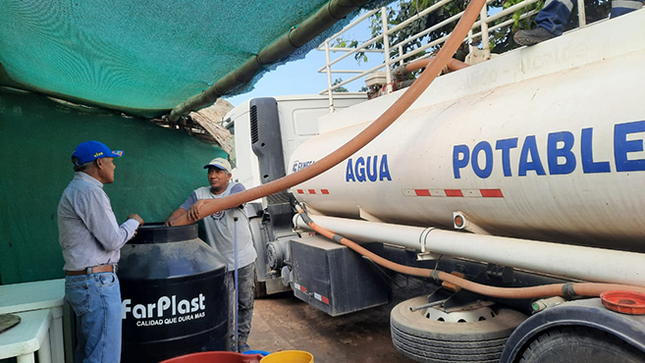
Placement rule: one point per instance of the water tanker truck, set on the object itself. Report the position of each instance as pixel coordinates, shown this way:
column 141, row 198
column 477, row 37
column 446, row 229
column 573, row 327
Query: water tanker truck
column 521, row 177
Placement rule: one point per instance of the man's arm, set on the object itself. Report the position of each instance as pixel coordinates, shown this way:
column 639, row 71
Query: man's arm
column 100, row 220
column 182, row 210
column 174, row 215
column 238, row 188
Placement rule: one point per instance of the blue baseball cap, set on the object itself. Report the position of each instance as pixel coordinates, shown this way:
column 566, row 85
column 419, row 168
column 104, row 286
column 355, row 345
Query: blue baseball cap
column 91, row 150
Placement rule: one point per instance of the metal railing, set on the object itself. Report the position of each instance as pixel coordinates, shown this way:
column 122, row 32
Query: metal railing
column 487, row 23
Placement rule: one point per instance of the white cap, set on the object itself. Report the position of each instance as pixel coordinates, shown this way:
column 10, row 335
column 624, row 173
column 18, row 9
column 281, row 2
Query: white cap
column 219, row 163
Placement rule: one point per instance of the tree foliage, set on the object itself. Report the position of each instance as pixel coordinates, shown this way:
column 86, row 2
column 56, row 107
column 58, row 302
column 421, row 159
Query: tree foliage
column 500, row 39
column 341, row 88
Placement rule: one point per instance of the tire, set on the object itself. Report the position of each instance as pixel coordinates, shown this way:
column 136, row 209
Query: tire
column 430, row 341
column 580, row 345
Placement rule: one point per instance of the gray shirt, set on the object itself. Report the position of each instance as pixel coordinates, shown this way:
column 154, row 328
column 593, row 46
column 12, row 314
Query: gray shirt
column 88, row 231
column 222, row 229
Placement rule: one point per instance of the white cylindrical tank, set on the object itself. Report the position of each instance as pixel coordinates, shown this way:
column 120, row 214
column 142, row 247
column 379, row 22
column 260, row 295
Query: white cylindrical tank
column 558, row 157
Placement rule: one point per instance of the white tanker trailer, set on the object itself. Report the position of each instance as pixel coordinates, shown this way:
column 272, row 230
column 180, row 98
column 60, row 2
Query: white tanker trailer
column 521, row 171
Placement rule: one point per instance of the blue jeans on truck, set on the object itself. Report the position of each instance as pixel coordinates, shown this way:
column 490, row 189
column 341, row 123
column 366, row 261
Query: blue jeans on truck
column 555, row 13
column 96, row 301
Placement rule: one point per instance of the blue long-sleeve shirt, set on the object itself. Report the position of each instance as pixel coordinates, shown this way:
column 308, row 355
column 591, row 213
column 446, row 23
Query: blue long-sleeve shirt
column 88, row 231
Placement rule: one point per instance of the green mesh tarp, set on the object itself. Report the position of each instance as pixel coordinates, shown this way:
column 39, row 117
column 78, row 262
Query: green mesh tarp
column 158, row 171
column 138, row 56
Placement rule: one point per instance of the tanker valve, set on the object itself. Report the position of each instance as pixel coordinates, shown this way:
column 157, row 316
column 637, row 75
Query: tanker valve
column 542, row 304
column 461, row 221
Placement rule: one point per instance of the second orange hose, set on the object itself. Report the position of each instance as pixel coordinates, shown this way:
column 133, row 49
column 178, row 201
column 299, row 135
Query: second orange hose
column 579, row 289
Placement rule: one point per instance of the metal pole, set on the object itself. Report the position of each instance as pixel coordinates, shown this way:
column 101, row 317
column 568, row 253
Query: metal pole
column 237, row 289
column 582, row 18
column 483, row 15
column 329, row 91
column 386, row 48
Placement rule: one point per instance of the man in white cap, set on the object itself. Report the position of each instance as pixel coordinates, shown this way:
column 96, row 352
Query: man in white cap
column 224, row 230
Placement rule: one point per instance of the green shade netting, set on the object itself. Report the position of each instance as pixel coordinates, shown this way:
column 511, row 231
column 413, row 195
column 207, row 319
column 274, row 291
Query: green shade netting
column 139, row 56
column 158, row 171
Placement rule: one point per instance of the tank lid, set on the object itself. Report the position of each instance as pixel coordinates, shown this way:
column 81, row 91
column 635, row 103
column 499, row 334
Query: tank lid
column 626, row 302
column 158, row 233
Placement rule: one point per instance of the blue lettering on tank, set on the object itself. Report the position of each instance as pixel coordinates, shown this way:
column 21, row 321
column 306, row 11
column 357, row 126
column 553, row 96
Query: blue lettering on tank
column 589, row 166
column 622, row 146
column 460, row 159
column 349, row 172
column 530, row 151
column 506, row 145
column 360, row 169
column 488, row 159
column 384, row 169
column 555, row 153
column 370, row 169
column 298, row 165
column 561, row 154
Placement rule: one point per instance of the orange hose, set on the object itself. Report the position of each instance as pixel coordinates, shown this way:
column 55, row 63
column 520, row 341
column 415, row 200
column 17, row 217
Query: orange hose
column 579, row 289
column 453, row 64
column 207, row 207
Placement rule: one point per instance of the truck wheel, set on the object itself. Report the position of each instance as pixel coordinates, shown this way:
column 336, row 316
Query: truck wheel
column 576, row 344
column 432, row 341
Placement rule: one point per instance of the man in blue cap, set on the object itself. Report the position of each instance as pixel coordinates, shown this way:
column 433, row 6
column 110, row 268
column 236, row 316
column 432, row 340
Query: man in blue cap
column 91, row 241
column 553, row 17
column 226, row 230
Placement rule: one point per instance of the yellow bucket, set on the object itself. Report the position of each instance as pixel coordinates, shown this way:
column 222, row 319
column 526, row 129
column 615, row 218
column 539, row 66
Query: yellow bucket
column 289, row 356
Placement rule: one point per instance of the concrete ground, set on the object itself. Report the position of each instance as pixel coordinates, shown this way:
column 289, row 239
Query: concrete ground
column 283, row 322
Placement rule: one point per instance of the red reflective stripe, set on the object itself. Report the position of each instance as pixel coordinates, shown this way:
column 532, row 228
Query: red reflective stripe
column 312, row 191
column 454, row 193
column 491, row 193
column 422, row 192
column 324, row 299
column 324, row 191
column 303, row 289
column 300, row 191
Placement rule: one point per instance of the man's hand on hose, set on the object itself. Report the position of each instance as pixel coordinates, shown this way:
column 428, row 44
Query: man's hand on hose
column 193, row 212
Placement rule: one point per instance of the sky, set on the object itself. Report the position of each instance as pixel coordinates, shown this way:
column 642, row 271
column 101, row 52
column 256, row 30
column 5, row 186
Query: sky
column 302, row 77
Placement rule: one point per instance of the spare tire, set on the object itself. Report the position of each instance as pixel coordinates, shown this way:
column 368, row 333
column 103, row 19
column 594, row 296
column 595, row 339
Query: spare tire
column 428, row 340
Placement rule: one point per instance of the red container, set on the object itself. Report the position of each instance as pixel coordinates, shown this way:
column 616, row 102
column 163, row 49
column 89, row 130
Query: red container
column 626, row 302
column 216, row 357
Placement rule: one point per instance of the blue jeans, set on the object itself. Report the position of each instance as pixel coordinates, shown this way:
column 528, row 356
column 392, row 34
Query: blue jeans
column 246, row 287
column 96, row 301
column 553, row 17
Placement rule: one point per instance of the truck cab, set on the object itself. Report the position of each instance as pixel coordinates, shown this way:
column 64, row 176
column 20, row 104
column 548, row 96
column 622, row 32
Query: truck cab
column 266, row 132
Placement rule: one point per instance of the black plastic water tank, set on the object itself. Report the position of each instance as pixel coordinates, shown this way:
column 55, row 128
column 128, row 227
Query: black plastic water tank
column 174, row 298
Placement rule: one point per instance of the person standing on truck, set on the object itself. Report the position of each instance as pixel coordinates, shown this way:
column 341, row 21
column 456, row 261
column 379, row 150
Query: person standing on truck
column 91, row 241
column 553, row 17
column 224, row 230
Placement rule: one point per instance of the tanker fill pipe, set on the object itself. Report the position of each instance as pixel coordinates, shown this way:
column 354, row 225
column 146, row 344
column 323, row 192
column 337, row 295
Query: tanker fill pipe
column 206, row 207
column 577, row 262
column 567, row 290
